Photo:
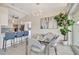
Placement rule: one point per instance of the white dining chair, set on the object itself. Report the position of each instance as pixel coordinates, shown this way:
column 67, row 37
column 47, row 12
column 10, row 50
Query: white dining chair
column 37, row 36
column 53, row 43
column 36, row 47
column 48, row 36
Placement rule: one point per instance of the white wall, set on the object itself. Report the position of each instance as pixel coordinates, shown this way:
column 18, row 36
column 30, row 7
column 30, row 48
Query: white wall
column 3, row 21
column 3, row 16
column 36, row 24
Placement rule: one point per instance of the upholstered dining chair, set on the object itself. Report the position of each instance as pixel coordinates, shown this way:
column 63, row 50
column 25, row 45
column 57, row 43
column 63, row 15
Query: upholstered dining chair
column 8, row 36
column 36, row 47
column 37, row 36
column 48, row 36
column 53, row 43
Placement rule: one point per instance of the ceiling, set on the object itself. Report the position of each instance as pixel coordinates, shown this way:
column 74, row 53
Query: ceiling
column 30, row 8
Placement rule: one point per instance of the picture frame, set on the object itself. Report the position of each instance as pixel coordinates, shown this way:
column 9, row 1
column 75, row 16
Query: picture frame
column 48, row 23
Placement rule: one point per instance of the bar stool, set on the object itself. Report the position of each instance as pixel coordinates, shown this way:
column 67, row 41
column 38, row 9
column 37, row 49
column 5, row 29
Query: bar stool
column 26, row 33
column 19, row 34
column 8, row 36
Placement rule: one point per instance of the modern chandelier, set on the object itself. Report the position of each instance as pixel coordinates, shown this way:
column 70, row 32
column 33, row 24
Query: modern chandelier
column 36, row 10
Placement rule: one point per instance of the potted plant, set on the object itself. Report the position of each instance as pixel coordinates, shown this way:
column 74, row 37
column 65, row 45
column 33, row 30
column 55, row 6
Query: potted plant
column 64, row 23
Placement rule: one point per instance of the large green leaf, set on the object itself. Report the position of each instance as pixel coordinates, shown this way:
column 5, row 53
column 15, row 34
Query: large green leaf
column 64, row 31
column 64, row 23
column 70, row 22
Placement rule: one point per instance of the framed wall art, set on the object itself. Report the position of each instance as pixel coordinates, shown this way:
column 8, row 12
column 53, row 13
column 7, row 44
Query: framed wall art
column 48, row 23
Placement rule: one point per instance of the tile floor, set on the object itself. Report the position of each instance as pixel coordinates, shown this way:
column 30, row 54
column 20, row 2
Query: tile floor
column 20, row 50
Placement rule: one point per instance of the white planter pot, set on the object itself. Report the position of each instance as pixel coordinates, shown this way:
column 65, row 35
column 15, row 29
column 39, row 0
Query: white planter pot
column 64, row 42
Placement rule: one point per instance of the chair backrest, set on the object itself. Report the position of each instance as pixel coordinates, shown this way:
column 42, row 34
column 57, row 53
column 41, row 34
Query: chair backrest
column 9, row 35
column 26, row 33
column 19, row 34
column 49, row 36
column 35, row 42
column 54, row 41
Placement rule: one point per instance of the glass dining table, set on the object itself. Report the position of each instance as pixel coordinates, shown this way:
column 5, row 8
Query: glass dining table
column 46, row 49
column 47, row 42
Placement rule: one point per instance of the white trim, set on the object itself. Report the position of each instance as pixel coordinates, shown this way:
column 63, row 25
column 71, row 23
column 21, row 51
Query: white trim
column 14, row 8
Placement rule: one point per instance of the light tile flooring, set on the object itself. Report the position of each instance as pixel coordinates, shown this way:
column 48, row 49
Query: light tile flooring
column 20, row 50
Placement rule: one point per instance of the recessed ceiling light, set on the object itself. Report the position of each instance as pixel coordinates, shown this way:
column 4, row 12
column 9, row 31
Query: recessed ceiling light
column 37, row 3
column 13, row 4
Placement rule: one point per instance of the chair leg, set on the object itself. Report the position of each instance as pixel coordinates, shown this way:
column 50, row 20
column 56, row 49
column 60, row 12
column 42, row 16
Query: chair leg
column 11, row 43
column 48, row 50
column 30, row 52
column 26, row 46
column 14, row 43
column 3, row 44
column 55, row 50
column 45, row 49
column 21, row 39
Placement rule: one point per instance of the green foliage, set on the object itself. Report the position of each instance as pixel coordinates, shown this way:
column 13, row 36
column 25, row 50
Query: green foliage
column 64, row 23
column 70, row 22
column 64, row 31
